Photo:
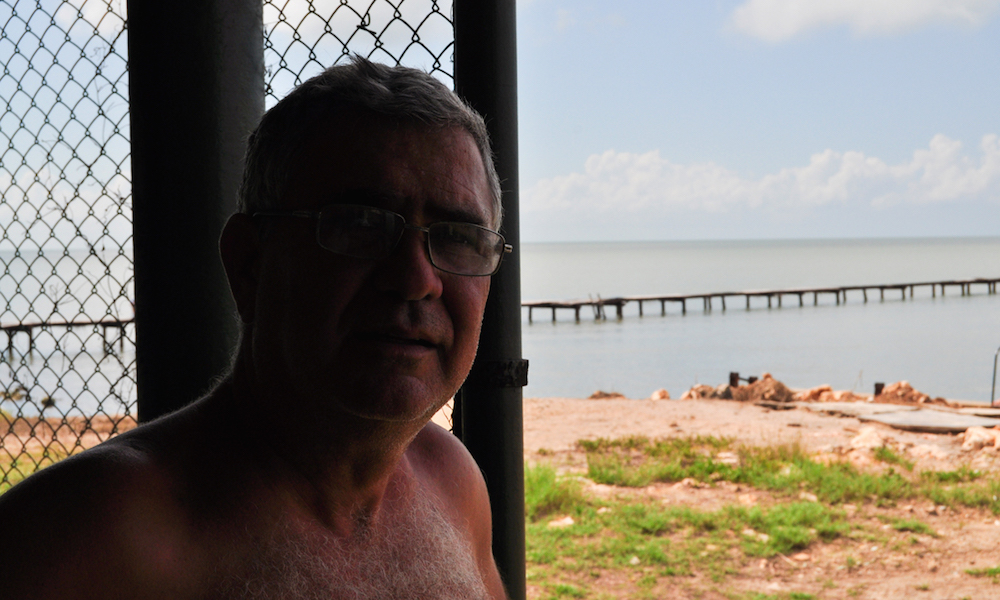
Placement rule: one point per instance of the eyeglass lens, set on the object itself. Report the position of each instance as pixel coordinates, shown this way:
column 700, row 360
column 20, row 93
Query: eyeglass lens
column 364, row 232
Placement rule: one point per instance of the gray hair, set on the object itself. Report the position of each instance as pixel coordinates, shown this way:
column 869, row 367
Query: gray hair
column 398, row 93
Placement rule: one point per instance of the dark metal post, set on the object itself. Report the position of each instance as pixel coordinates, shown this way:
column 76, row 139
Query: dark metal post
column 196, row 87
column 491, row 412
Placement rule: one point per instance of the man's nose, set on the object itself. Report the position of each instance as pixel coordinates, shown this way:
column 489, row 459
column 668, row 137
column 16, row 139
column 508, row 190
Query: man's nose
column 408, row 270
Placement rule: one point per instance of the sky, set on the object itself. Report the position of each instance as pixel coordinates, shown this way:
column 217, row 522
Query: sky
column 643, row 119
column 758, row 119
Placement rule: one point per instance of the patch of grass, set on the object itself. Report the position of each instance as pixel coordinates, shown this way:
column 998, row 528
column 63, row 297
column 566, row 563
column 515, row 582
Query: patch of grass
column 961, row 475
column 992, row 572
column 665, row 541
column 546, row 492
column 976, row 494
column 636, row 462
column 14, row 469
column 886, row 455
column 782, row 596
column 564, row 590
column 914, row 525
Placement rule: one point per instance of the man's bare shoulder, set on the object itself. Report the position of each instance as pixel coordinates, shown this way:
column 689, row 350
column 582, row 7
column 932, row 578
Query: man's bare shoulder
column 444, row 465
column 82, row 526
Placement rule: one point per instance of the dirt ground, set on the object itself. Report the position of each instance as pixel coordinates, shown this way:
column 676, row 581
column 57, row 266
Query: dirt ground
column 884, row 563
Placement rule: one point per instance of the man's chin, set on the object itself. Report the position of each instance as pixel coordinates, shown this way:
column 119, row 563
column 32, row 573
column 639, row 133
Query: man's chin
column 405, row 401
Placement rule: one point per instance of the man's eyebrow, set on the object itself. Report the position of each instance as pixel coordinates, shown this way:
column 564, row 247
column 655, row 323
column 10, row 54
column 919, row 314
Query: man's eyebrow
column 458, row 214
column 365, row 196
column 382, row 199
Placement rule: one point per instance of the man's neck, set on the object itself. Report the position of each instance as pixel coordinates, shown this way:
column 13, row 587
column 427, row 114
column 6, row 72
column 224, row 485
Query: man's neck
column 340, row 468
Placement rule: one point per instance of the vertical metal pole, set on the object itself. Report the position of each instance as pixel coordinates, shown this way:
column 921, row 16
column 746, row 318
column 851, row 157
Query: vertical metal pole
column 196, row 88
column 492, row 429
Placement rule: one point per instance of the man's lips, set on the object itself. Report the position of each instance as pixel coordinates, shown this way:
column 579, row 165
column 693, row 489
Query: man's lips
column 402, row 339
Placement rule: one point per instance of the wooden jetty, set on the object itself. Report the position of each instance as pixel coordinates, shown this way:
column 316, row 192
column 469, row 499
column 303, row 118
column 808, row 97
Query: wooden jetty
column 839, row 293
column 13, row 329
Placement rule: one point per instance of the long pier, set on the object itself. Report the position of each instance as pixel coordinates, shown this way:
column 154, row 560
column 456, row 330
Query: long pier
column 839, row 293
column 13, row 329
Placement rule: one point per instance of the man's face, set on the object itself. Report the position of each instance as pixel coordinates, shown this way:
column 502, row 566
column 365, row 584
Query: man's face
column 387, row 339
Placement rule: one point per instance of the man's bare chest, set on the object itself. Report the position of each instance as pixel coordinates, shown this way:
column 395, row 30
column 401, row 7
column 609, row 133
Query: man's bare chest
column 418, row 555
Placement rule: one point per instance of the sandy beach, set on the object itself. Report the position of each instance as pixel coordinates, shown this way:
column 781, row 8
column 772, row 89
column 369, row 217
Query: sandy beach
column 889, row 567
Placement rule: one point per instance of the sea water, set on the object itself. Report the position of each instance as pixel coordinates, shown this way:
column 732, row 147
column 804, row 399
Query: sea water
column 944, row 346
column 78, row 371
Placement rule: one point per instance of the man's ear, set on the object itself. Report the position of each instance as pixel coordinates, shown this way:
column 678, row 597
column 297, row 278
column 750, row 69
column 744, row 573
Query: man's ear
column 240, row 248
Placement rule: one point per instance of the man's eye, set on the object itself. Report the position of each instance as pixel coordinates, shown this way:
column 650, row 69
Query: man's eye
column 458, row 236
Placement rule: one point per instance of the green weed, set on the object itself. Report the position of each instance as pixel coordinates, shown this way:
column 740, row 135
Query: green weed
column 992, row 572
column 14, row 469
column 886, row 455
column 913, row 525
column 546, row 492
column 636, row 462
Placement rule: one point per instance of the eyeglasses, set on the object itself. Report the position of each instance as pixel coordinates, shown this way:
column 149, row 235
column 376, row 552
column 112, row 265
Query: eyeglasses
column 372, row 233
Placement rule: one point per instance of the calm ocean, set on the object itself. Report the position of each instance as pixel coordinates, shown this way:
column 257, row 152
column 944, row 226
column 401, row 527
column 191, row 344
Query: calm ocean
column 943, row 346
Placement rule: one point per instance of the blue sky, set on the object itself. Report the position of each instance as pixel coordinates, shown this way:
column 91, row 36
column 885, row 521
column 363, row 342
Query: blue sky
column 729, row 119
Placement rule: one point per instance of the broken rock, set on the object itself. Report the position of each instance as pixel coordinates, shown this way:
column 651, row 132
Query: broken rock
column 976, row 438
column 868, row 439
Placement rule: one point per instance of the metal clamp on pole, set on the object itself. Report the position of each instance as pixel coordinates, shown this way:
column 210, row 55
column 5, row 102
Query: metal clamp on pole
column 499, row 374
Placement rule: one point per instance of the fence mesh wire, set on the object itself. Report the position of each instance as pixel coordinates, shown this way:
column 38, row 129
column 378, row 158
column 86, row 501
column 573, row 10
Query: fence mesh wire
column 67, row 372
column 67, row 377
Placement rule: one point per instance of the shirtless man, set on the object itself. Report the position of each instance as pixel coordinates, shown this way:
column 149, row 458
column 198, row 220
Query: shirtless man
column 359, row 263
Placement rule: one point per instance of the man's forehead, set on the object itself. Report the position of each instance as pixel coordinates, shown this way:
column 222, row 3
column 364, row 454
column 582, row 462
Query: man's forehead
column 360, row 159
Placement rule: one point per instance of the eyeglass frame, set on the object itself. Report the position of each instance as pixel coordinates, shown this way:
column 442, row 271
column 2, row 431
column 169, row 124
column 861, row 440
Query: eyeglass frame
column 317, row 214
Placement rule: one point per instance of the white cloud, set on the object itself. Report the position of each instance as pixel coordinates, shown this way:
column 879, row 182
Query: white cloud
column 564, row 19
column 107, row 17
column 779, row 20
column 649, row 183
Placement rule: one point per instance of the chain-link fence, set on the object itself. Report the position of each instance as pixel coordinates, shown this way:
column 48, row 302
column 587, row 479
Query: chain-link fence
column 67, row 378
column 67, row 375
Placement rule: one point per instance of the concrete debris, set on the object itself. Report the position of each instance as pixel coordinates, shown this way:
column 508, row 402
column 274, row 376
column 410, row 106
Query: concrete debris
column 602, row 395
column 977, row 438
column 689, row 483
column 728, row 458
column 928, row 451
column 660, row 394
column 868, row 439
column 697, row 392
column 560, row 523
column 824, row 393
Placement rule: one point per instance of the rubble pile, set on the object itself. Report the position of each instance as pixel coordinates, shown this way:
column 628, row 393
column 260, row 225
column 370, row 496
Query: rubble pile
column 765, row 389
column 824, row 393
column 602, row 395
column 902, row 392
column 706, row 391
